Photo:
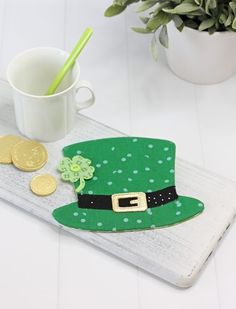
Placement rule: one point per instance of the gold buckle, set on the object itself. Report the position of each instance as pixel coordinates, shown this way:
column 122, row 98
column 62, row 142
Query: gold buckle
column 139, row 198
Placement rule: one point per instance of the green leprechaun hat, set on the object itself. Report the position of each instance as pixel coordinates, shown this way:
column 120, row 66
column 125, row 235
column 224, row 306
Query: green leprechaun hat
column 124, row 183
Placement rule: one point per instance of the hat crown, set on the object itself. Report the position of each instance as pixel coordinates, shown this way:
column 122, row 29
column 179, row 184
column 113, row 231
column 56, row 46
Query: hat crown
column 127, row 164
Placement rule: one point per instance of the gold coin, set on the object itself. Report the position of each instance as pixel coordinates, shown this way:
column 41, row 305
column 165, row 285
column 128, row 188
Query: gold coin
column 43, row 185
column 29, row 156
column 6, row 144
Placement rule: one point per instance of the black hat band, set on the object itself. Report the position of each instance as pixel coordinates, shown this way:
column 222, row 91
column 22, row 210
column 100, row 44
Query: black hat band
column 154, row 199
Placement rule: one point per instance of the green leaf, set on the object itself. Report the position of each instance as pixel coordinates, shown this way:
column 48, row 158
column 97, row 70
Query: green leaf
column 144, row 19
column 229, row 20
column 190, row 23
column 163, row 37
column 222, row 18
column 145, row 5
column 233, row 7
column 124, row 2
column 154, row 48
column 212, row 30
column 234, row 23
column 205, row 24
column 142, row 30
column 202, row 17
column 119, row 2
column 197, row 13
column 161, row 19
column 182, row 9
column 210, row 4
column 180, row 28
column 114, row 10
column 177, row 20
column 159, row 8
column 199, row 2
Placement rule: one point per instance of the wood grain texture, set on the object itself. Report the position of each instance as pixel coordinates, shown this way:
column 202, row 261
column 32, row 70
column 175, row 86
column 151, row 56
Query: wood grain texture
column 175, row 254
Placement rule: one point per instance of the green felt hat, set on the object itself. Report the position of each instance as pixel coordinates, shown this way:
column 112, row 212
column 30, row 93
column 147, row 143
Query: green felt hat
column 128, row 184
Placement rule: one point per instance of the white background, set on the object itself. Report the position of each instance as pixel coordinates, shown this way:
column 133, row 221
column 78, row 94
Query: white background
column 42, row 268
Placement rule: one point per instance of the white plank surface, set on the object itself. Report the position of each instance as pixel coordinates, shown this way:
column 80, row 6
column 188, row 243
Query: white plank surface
column 175, row 254
column 139, row 97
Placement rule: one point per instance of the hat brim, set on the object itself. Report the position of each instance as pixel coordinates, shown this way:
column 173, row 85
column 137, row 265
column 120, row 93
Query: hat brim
column 175, row 212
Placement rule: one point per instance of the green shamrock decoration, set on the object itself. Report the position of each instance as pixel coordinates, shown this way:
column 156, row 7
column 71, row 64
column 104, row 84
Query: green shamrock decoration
column 76, row 169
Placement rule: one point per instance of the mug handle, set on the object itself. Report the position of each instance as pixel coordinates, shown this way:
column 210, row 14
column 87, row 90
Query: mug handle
column 86, row 103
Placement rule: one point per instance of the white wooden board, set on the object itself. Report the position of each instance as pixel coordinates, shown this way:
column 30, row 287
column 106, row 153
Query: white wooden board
column 175, row 254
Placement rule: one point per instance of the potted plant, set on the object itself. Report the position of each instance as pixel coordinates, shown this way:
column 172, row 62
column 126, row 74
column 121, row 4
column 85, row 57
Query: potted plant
column 200, row 40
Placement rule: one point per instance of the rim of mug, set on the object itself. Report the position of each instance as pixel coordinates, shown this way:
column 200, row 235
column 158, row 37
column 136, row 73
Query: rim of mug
column 41, row 96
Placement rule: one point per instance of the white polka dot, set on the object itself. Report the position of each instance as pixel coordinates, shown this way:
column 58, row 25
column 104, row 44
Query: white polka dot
column 109, row 183
column 99, row 224
column 123, row 159
column 104, row 161
column 168, row 158
column 178, row 213
column 159, row 161
column 90, row 192
column 147, row 169
column 135, row 172
column 168, row 198
column 76, row 214
column 134, row 140
column 95, row 178
column 129, row 155
column 147, row 156
column 125, row 219
column 114, row 229
column 162, row 200
column 166, row 180
column 200, row 204
column 130, row 179
column 152, row 226
column 166, row 148
column 151, row 180
column 79, row 152
column 178, row 204
column 119, row 171
column 84, row 213
column 149, row 211
column 139, row 221
column 149, row 190
column 113, row 148
column 125, row 190
column 83, row 220
column 114, row 172
column 98, row 165
column 150, row 146
column 172, row 171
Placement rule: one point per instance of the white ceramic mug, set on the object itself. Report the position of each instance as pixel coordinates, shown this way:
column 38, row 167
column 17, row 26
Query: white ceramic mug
column 41, row 117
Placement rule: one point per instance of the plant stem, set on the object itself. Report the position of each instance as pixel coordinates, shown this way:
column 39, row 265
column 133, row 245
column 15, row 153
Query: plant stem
column 81, row 185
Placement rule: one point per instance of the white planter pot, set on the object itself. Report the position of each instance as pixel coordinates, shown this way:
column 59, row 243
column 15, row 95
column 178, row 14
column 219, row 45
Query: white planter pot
column 199, row 57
